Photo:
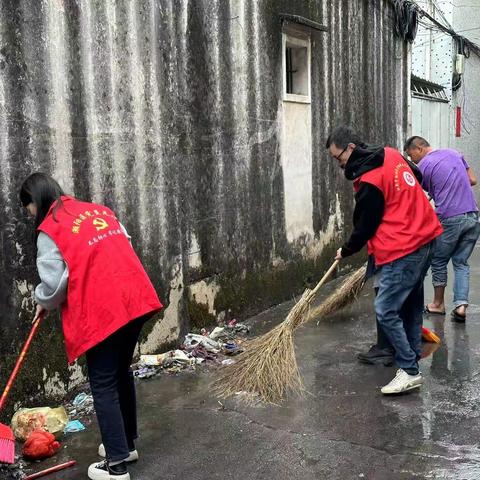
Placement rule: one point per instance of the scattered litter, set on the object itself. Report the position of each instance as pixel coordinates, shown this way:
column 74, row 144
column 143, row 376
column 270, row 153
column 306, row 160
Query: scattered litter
column 40, row 444
column 26, row 420
column 145, row 372
column 206, row 348
column 179, row 356
column 74, row 426
column 82, row 400
column 152, row 360
column 192, row 340
column 230, row 332
column 157, row 360
column 216, row 332
column 231, row 348
column 201, row 353
column 81, row 406
column 241, row 328
column 174, row 364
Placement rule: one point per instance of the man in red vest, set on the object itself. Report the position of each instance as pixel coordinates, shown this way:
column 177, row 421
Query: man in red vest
column 394, row 218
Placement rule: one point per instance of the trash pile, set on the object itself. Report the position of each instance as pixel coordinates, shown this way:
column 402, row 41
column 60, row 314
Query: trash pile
column 208, row 348
column 41, row 428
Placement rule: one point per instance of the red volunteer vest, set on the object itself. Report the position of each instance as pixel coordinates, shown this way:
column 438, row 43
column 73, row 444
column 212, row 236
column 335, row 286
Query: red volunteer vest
column 107, row 285
column 409, row 221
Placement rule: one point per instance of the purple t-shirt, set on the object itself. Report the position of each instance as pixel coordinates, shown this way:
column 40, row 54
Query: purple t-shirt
column 445, row 178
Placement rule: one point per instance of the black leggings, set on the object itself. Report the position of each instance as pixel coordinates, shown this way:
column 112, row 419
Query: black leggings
column 113, row 389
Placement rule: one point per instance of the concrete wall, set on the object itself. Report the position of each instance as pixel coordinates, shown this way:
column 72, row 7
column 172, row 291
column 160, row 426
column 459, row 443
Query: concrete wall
column 433, row 50
column 433, row 57
column 466, row 19
column 432, row 120
column 170, row 112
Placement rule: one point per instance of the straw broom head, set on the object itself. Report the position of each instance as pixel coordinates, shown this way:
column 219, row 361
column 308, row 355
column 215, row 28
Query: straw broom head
column 268, row 368
column 345, row 294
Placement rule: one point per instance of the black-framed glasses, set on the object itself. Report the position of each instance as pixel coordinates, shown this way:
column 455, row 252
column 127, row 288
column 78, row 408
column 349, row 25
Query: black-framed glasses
column 338, row 157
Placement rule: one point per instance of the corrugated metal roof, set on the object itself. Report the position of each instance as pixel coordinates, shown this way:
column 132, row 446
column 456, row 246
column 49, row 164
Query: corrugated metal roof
column 422, row 88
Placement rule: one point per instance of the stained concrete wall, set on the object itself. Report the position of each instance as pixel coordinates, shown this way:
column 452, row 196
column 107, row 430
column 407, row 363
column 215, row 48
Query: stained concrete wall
column 433, row 58
column 466, row 19
column 168, row 112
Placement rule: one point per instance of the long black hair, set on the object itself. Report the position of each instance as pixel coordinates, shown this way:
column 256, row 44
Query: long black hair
column 43, row 191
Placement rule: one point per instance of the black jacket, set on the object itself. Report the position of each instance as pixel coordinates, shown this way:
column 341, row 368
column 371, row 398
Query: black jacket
column 369, row 200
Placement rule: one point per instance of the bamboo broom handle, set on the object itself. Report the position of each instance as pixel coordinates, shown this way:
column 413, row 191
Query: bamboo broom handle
column 18, row 365
column 325, row 277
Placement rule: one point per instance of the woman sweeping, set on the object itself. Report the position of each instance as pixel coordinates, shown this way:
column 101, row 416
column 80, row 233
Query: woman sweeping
column 88, row 268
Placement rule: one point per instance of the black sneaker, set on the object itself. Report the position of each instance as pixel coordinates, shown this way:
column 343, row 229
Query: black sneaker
column 376, row 356
column 104, row 471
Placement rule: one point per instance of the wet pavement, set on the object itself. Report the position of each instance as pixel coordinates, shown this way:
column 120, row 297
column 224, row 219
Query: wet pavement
column 342, row 429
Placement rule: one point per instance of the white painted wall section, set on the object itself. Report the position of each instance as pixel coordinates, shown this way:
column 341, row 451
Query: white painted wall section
column 296, row 154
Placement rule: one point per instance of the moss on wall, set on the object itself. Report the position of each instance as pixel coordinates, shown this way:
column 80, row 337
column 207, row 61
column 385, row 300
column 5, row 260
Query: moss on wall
column 245, row 296
column 199, row 315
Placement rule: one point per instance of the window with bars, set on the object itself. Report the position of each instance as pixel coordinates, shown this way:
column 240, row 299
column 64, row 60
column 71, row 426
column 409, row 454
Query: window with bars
column 296, row 68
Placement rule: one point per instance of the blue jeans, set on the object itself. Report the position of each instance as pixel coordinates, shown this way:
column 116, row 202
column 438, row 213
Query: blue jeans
column 460, row 234
column 382, row 340
column 113, row 389
column 399, row 305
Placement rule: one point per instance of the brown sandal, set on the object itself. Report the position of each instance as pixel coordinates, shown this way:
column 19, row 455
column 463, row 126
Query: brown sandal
column 431, row 312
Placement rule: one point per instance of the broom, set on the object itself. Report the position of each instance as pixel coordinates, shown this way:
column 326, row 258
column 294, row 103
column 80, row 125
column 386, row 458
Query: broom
column 349, row 292
column 268, row 368
column 343, row 296
column 7, row 439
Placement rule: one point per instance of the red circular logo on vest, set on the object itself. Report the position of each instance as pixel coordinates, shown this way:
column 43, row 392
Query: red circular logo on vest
column 409, row 179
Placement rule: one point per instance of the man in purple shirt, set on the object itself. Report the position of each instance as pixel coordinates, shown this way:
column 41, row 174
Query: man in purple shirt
column 448, row 179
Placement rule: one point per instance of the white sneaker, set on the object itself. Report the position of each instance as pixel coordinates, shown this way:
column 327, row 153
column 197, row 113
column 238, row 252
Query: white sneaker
column 103, row 471
column 132, row 457
column 403, row 382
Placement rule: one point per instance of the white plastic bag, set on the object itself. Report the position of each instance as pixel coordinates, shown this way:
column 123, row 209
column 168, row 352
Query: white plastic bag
column 192, row 340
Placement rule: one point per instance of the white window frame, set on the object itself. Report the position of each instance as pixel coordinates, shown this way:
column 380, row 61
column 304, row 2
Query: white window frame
column 303, row 41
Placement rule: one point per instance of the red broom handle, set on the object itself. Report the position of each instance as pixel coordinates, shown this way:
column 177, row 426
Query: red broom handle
column 56, row 468
column 18, row 365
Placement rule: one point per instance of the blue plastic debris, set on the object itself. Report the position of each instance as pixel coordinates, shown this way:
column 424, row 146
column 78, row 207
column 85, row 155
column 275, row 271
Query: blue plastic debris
column 80, row 400
column 74, row 426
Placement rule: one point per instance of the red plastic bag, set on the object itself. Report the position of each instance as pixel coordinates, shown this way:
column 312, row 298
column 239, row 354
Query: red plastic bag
column 40, row 444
